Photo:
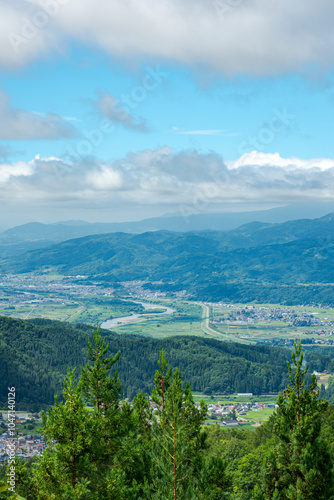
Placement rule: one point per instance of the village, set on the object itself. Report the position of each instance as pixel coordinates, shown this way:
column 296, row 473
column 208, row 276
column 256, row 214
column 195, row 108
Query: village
column 26, row 445
column 249, row 314
column 272, row 325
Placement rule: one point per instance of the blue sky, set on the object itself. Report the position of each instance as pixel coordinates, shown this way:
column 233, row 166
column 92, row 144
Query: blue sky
column 182, row 111
column 114, row 113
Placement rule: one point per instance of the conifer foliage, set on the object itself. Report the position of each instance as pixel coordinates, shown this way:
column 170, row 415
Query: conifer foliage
column 176, row 437
column 300, row 466
column 89, row 449
column 100, row 448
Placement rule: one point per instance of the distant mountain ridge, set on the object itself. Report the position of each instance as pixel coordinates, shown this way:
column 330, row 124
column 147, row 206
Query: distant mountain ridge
column 290, row 253
column 35, row 235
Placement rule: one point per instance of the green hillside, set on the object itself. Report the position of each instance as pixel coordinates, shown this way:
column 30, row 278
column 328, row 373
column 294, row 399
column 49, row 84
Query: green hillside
column 35, row 354
column 290, row 262
column 33, row 235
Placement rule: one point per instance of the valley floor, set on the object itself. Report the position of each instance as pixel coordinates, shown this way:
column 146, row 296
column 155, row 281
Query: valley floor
column 131, row 309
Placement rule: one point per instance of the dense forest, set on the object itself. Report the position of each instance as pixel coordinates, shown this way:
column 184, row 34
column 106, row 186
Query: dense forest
column 289, row 263
column 116, row 451
column 35, row 354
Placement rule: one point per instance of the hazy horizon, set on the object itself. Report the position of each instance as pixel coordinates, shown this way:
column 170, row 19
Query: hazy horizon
column 280, row 213
column 110, row 113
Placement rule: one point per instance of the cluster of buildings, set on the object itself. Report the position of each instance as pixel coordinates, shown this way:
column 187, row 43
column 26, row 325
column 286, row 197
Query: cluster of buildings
column 231, row 414
column 254, row 314
column 31, row 288
column 289, row 342
column 251, row 317
column 39, row 289
column 25, row 446
column 137, row 288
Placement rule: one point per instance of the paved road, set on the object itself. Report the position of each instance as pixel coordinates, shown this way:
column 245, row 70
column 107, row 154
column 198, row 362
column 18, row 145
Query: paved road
column 82, row 308
column 27, row 316
column 205, row 325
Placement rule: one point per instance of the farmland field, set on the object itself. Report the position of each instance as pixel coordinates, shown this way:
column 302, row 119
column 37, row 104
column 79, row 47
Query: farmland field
column 74, row 300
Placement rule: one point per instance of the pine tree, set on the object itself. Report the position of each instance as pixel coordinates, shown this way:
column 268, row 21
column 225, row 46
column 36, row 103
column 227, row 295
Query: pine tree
column 176, row 437
column 64, row 468
column 300, row 466
column 91, row 452
column 98, row 386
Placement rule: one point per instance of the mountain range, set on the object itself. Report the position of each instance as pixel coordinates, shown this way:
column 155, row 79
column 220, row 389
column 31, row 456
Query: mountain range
column 209, row 264
column 35, row 235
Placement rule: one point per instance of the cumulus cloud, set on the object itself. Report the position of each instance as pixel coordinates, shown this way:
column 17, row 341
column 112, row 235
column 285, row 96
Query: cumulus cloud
column 116, row 112
column 261, row 37
column 9, row 171
column 23, row 37
column 105, row 178
column 21, row 124
column 162, row 178
column 256, row 158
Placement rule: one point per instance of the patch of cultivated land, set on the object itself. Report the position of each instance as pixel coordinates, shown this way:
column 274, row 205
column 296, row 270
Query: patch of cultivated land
column 79, row 300
column 72, row 312
column 186, row 320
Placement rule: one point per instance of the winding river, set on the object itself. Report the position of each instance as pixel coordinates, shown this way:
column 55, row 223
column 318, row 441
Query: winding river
column 136, row 318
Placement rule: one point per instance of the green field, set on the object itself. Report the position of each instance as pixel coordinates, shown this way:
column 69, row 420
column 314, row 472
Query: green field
column 58, row 298
column 258, row 416
column 78, row 310
column 186, row 320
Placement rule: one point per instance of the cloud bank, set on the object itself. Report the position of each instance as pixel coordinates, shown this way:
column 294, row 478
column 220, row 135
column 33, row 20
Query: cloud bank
column 259, row 37
column 164, row 179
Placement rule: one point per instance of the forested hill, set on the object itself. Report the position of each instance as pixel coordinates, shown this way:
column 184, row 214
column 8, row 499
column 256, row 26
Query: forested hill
column 242, row 265
column 33, row 235
column 35, row 354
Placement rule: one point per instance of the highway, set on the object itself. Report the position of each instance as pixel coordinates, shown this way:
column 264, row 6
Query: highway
column 205, row 326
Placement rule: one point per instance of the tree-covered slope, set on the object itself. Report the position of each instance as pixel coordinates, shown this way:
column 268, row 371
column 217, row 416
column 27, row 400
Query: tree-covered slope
column 293, row 251
column 35, row 354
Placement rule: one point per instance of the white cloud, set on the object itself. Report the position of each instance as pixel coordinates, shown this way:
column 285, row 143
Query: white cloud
column 105, row 179
column 161, row 178
column 18, row 169
column 109, row 107
column 21, row 124
column 262, row 37
column 21, row 40
column 259, row 159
